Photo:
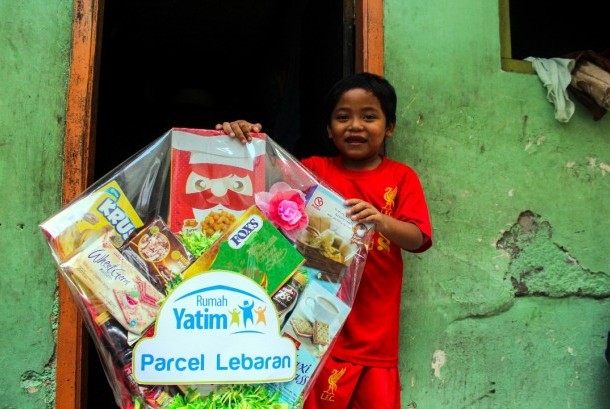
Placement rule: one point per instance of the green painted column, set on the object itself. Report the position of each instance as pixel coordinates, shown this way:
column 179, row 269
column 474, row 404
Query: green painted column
column 34, row 58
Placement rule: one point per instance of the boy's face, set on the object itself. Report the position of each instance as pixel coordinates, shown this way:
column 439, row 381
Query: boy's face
column 358, row 128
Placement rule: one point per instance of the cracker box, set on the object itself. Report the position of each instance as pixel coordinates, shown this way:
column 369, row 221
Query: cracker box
column 255, row 248
column 314, row 324
column 213, row 179
column 331, row 240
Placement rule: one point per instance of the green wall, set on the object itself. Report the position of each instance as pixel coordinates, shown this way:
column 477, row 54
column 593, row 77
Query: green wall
column 34, row 56
column 510, row 308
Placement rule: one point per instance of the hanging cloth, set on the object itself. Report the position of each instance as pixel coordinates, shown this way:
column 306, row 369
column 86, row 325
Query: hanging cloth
column 555, row 75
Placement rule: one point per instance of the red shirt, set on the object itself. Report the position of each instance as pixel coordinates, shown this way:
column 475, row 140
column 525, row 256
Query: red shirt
column 370, row 334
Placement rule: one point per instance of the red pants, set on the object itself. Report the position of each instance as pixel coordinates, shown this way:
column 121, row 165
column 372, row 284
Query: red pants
column 343, row 385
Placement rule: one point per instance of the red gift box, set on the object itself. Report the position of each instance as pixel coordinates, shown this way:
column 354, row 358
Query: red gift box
column 213, row 179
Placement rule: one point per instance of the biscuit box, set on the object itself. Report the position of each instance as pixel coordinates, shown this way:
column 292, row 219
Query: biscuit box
column 213, row 179
column 313, row 326
column 123, row 291
column 332, row 239
column 255, row 248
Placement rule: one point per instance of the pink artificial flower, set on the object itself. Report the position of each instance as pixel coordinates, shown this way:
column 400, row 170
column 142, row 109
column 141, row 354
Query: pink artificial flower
column 284, row 207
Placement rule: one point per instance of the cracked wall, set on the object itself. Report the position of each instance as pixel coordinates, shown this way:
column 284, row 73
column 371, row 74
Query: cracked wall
column 510, row 308
column 545, row 347
column 541, row 267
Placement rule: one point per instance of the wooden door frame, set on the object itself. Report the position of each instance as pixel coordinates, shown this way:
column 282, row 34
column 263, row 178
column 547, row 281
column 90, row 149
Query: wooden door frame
column 79, row 140
column 79, row 155
column 369, row 36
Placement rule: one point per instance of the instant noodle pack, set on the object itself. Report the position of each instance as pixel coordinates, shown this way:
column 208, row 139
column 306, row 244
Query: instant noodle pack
column 210, row 274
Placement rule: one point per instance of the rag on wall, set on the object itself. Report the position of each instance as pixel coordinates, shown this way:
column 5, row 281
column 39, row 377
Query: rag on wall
column 555, row 75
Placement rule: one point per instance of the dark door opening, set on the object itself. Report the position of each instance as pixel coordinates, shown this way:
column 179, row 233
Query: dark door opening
column 533, row 30
column 195, row 63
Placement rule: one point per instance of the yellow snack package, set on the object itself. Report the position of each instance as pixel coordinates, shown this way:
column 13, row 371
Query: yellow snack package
column 77, row 223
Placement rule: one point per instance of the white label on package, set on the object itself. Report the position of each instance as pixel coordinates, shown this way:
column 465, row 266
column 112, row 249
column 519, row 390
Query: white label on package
column 217, row 327
column 327, row 214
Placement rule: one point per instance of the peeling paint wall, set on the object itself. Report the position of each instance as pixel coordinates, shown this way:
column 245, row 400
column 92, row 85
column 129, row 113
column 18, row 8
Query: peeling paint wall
column 510, row 308
column 34, row 55
column 541, row 267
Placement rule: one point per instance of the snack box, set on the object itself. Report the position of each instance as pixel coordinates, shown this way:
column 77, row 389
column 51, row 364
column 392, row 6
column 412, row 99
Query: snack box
column 122, row 290
column 254, row 247
column 157, row 253
column 213, row 179
column 107, row 206
column 313, row 327
column 331, row 240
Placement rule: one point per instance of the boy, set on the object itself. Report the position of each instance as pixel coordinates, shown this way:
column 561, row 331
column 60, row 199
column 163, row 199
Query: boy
column 362, row 369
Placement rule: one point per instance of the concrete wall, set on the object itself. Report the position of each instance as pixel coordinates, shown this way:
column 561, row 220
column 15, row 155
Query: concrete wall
column 510, row 308
column 34, row 55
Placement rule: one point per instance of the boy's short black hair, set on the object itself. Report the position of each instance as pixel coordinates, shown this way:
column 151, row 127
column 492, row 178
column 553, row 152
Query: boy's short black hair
column 373, row 83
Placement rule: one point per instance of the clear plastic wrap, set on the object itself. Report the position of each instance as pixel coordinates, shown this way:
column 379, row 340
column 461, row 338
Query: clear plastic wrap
column 210, row 273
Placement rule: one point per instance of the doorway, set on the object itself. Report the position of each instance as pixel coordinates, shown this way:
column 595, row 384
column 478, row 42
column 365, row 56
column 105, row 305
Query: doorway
column 195, row 63
column 192, row 64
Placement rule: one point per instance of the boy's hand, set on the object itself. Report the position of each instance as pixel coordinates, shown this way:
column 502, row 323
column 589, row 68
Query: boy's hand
column 405, row 234
column 363, row 212
column 239, row 129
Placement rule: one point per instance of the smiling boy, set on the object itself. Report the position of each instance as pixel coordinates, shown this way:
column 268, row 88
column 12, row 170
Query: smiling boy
column 362, row 369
